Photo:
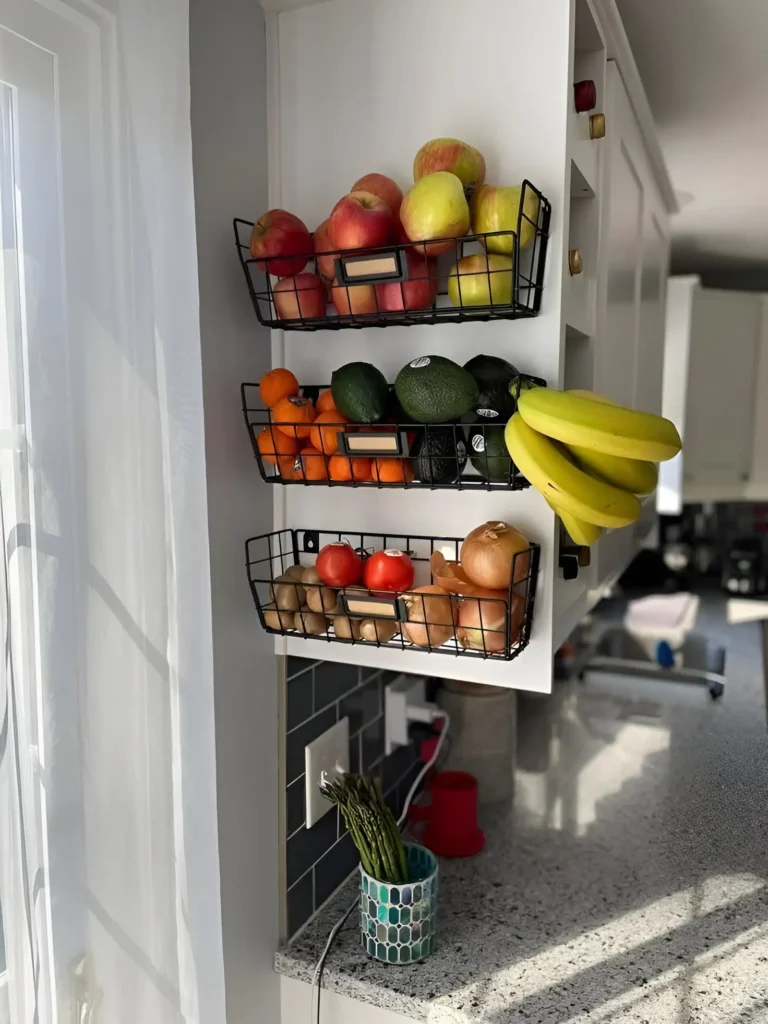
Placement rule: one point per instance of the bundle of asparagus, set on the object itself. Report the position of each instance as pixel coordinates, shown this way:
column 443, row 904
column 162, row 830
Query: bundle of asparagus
column 372, row 826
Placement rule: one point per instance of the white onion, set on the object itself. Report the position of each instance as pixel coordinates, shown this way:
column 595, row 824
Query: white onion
column 487, row 555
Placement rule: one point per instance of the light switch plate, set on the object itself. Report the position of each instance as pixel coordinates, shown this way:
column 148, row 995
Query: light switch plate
column 324, row 755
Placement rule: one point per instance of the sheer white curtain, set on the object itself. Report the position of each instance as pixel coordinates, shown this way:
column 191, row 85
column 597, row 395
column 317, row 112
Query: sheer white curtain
column 108, row 852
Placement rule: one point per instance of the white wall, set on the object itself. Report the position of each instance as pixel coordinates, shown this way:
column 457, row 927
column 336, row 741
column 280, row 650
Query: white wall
column 227, row 49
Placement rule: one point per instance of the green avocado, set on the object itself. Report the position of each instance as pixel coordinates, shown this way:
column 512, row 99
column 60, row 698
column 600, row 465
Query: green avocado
column 493, row 377
column 433, row 389
column 488, row 453
column 440, row 455
column 360, row 392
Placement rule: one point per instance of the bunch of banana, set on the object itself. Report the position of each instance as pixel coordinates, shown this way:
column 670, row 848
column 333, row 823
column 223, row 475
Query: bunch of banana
column 589, row 457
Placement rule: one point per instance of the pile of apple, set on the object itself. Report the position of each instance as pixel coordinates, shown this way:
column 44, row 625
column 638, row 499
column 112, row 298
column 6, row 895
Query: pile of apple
column 448, row 199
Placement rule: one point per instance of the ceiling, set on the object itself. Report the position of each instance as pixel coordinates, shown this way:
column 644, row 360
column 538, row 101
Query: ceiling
column 704, row 65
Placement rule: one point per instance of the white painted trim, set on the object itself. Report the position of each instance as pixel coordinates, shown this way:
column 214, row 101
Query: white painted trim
column 618, row 50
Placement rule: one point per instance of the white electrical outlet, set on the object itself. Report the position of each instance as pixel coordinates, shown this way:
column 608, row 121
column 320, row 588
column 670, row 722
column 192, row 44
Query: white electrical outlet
column 327, row 753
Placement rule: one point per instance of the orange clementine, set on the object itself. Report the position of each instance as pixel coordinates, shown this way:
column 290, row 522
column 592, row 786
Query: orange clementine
column 293, row 416
column 272, row 442
column 286, row 467
column 341, row 467
column 391, row 471
column 325, row 439
column 325, row 402
column 278, row 383
column 311, row 465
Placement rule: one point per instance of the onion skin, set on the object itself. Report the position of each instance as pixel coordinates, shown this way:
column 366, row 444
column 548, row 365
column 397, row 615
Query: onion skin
column 482, row 621
column 438, row 608
column 487, row 555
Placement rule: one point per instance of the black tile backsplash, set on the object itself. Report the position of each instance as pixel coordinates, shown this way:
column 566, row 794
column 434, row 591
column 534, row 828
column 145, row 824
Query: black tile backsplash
column 333, row 681
column 295, row 810
column 334, row 867
column 298, row 738
column 301, row 902
column 319, row 859
column 362, row 705
column 300, row 707
column 306, row 847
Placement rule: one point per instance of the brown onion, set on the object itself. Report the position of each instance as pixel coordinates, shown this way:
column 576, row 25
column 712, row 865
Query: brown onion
column 488, row 555
column 431, row 620
column 482, row 621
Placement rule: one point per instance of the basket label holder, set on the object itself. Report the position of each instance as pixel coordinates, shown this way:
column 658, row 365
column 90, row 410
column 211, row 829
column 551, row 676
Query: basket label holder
column 374, row 606
column 371, row 268
column 379, row 442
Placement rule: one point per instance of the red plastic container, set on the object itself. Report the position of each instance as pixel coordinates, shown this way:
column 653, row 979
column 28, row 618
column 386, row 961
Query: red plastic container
column 452, row 829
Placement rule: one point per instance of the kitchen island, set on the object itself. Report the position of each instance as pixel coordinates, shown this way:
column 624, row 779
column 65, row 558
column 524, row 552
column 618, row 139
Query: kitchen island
column 627, row 884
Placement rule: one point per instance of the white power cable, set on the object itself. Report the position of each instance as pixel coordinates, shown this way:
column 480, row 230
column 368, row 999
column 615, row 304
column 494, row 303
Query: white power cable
column 425, row 712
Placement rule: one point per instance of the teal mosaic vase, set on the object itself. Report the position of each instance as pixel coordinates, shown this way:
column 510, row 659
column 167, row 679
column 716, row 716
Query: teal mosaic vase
column 397, row 922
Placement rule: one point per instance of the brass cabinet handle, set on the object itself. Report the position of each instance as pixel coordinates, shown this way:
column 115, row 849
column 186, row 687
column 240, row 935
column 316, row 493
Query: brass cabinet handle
column 575, row 266
column 597, row 126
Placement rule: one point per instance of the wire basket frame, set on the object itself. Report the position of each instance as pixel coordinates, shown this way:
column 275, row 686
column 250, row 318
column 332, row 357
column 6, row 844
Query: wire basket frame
column 501, row 278
column 497, row 628
column 434, row 456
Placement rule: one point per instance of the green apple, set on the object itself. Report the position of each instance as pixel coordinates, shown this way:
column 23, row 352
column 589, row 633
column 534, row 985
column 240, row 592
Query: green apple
column 481, row 280
column 496, row 208
column 435, row 208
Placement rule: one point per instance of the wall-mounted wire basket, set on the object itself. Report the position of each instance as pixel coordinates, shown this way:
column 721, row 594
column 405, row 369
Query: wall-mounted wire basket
column 396, row 285
column 470, row 455
column 497, row 627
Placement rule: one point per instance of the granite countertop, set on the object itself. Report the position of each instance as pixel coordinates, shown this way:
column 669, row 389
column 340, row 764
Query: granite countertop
column 627, row 884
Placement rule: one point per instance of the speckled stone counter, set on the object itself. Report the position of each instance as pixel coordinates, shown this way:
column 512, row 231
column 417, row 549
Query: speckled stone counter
column 627, row 885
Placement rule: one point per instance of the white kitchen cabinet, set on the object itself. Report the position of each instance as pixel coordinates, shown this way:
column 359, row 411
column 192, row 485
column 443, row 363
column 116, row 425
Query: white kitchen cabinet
column 359, row 86
column 629, row 353
column 715, row 389
column 335, row 1008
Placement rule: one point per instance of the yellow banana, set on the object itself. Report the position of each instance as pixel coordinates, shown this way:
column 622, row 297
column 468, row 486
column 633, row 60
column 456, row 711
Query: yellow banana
column 547, row 466
column 596, row 424
column 580, row 532
column 634, row 475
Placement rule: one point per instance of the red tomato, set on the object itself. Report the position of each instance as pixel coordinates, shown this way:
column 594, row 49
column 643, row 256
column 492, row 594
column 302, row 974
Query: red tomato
column 339, row 565
column 388, row 570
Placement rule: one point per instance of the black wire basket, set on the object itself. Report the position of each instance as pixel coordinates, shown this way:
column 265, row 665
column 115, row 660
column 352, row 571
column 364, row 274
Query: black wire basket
column 466, row 456
column 396, row 285
column 461, row 625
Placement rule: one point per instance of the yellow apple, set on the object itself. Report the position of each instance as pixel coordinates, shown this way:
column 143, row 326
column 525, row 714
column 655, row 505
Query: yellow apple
column 496, row 208
column 461, row 159
column 435, row 208
column 481, row 280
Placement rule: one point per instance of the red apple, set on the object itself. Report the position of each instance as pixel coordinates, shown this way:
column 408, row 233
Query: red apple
column 360, row 221
column 383, row 187
column 323, row 243
column 461, row 159
column 356, row 299
column 299, row 297
column 418, row 292
column 280, row 234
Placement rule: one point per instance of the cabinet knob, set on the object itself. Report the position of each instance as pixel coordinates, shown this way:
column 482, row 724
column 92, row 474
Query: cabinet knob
column 575, row 266
column 585, row 95
column 597, row 126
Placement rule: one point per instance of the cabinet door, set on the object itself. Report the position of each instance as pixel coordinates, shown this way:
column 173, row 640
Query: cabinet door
column 722, row 369
column 634, row 255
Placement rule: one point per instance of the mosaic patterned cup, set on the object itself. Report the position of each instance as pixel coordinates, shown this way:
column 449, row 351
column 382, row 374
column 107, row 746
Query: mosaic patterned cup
column 397, row 922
